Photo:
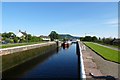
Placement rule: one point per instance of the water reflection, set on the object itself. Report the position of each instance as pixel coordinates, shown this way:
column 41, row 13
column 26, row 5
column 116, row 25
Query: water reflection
column 66, row 46
column 18, row 71
column 57, row 49
column 51, row 65
column 78, row 56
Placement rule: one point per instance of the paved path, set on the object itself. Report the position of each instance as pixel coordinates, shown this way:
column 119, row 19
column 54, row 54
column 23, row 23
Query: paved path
column 108, row 47
column 104, row 67
column 89, row 64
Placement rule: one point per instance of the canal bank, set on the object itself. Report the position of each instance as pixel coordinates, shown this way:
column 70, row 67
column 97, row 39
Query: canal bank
column 11, row 50
column 105, row 66
column 87, row 63
column 12, row 57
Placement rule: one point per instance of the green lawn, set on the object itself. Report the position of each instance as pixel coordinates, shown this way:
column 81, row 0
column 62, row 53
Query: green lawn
column 18, row 44
column 106, row 53
column 114, row 46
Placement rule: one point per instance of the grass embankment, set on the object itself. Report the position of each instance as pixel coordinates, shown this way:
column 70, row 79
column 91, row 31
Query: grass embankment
column 106, row 53
column 18, row 44
column 11, row 60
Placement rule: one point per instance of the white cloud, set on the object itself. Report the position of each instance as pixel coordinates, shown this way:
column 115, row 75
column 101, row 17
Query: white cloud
column 112, row 22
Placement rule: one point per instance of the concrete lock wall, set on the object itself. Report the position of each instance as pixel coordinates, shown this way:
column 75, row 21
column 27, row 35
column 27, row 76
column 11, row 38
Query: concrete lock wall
column 12, row 57
column 23, row 48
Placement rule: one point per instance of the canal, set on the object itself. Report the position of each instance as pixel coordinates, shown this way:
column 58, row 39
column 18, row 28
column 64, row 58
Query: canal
column 62, row 63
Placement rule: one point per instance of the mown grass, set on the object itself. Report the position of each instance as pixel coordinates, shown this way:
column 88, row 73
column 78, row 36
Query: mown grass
column 14, row 59
column 106, row 53
column 114, row 46
column 18, row 44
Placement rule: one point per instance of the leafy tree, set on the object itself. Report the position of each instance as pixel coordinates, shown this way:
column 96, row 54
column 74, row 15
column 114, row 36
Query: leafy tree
column 35, row 39
column 7, row 40
column 108, row 41
column 88, row 38
column 82, row 38
column 99, row 38
column 94, row 38
column 16, row 39
column 11, row 41
column 53, row 35
column 4, row 35
column 3, row 38
column 103, row 39
column 40, row 39
column 22, row 40
column 29, row 37
column 8, row 35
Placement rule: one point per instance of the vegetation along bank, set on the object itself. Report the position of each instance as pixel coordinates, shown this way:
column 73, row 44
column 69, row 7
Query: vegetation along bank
column 106, row 53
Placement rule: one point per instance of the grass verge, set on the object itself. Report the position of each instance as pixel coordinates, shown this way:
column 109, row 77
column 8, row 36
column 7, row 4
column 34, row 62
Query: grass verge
column 106, row 53
column 18, row 44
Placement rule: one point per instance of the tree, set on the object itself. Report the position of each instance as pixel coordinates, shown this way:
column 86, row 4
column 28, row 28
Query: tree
column 29, row 37
column 22, row 40
column 94, row 38
column 88, row 38
column 53, row 35
column 103, row 39
column 35, row 39
column 82, row 38
column 99, row 39
column 108, row 41
column 16, row 39
column 11, row 41
column 8, row 35
column 8, row 40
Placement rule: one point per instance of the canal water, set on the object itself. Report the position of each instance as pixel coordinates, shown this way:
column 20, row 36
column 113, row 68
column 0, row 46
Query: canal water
column 62, row 63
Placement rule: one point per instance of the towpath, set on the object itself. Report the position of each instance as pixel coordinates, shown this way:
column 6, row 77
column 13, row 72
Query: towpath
column 97, row 65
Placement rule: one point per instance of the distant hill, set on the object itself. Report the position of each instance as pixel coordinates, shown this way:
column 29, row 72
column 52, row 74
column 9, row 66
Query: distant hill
column 68, row 36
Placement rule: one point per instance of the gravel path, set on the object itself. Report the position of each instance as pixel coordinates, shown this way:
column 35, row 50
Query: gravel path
column 106, row 67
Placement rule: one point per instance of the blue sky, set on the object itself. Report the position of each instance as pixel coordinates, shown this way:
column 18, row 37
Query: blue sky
column 40, row 18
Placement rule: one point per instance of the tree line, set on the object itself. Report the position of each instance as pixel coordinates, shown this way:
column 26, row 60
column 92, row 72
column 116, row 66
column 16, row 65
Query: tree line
column 10, row 37
column 110, row 41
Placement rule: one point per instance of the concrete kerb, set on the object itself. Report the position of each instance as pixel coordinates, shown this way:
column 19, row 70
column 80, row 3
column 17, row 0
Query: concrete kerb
column 82, row 64
column 23, row 48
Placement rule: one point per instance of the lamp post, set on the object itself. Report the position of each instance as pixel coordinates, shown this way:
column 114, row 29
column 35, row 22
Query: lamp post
column 26, row 36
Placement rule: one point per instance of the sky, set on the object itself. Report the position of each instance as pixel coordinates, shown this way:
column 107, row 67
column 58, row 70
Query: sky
column 60, row 0
column 75, row 18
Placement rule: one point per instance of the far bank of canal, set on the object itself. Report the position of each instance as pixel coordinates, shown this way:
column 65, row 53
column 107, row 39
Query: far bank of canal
column 57, row 63
column 12, row 57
